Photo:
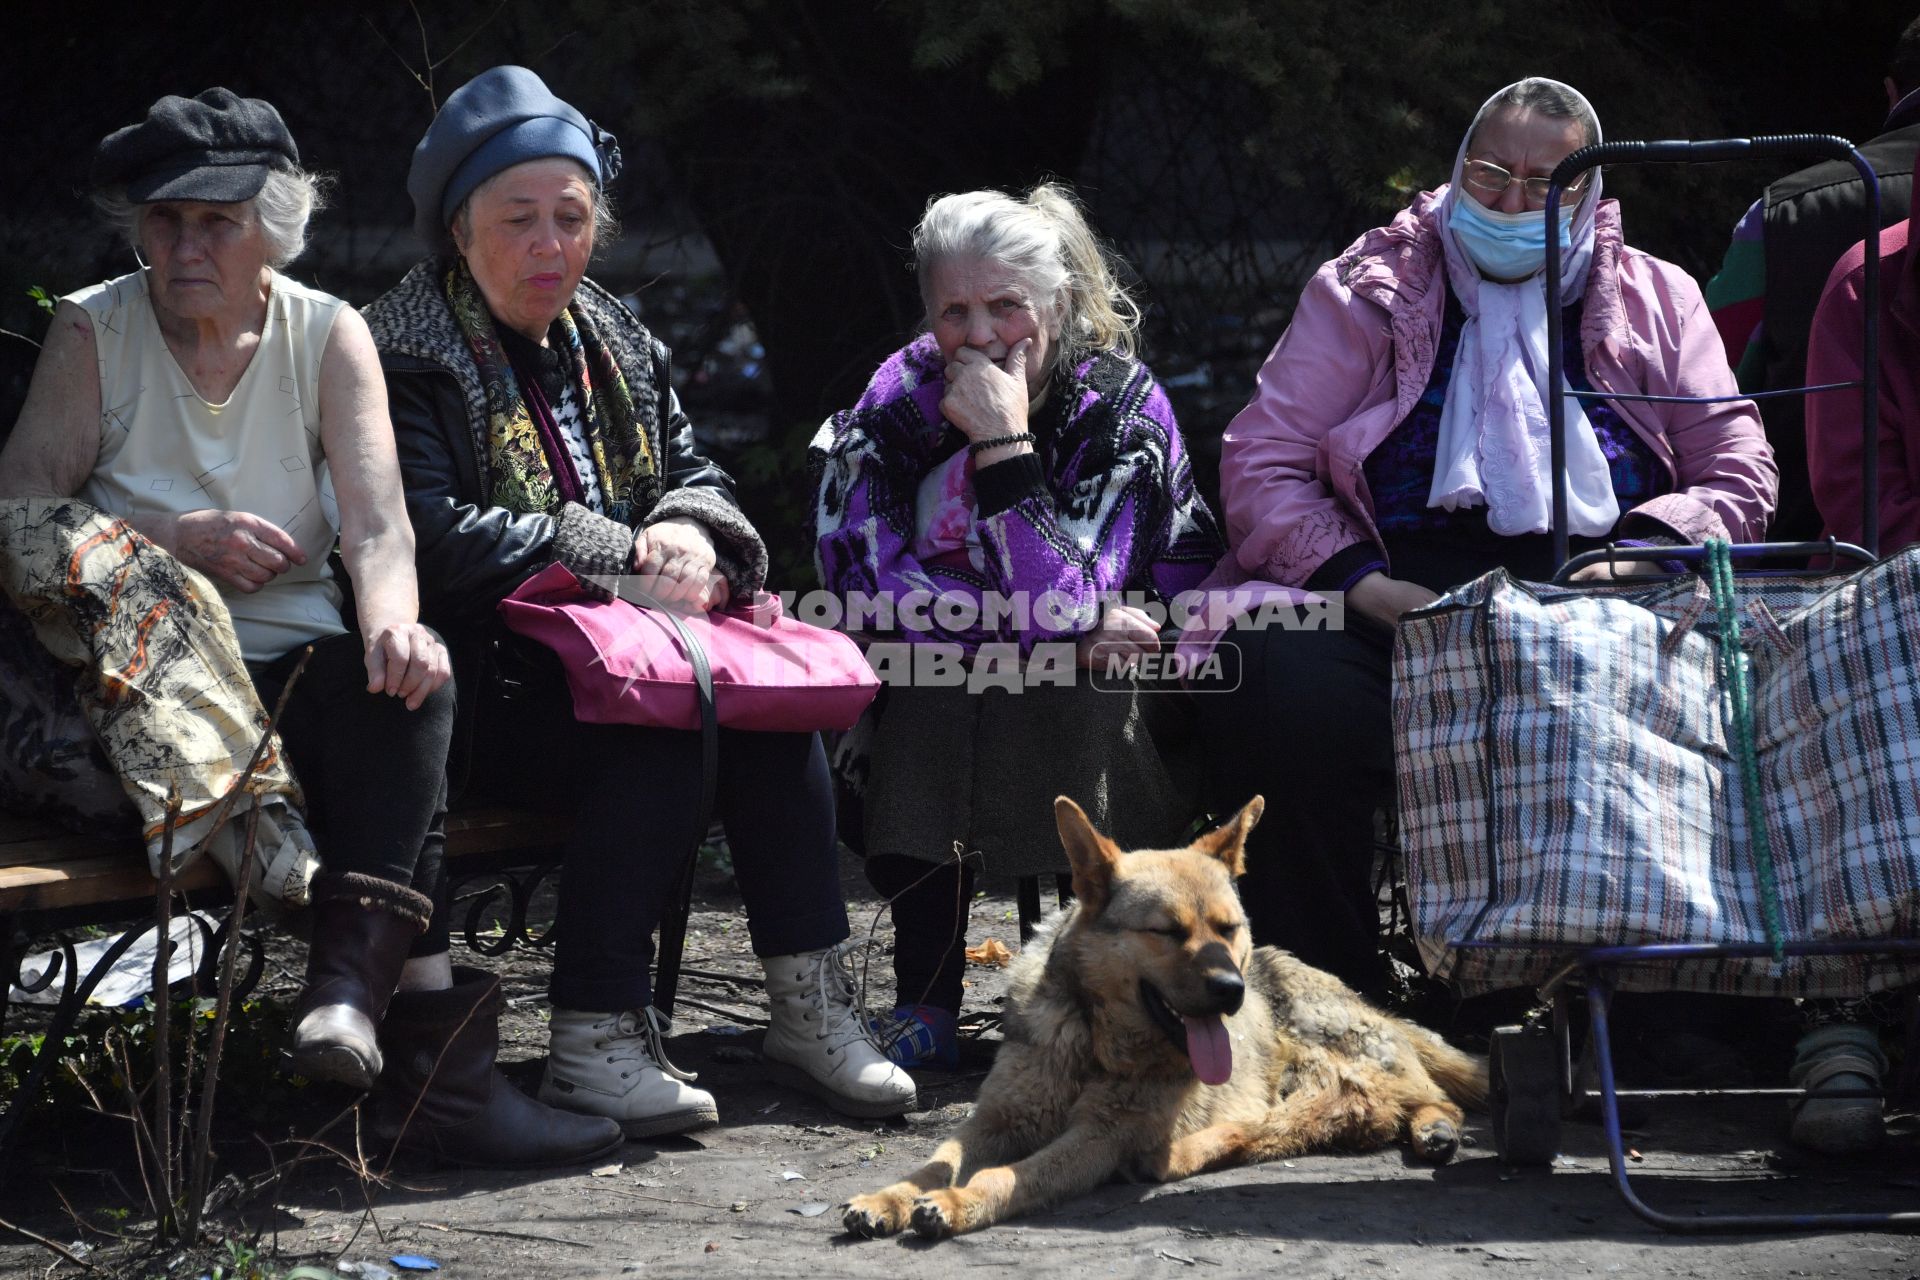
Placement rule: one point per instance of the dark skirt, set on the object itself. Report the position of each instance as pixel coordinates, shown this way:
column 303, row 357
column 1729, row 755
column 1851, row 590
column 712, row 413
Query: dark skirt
column 981, row 771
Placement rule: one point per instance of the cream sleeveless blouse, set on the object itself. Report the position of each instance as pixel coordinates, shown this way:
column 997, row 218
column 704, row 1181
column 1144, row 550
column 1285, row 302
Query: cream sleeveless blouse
column 166, row 451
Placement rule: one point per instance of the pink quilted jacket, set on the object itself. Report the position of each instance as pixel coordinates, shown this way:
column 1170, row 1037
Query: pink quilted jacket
column 1360, row 350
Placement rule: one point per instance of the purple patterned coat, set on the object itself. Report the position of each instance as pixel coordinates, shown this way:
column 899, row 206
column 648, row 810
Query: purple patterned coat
column 1106, row 504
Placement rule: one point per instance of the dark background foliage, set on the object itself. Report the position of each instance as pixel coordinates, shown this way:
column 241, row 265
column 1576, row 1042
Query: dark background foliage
column 779, row 151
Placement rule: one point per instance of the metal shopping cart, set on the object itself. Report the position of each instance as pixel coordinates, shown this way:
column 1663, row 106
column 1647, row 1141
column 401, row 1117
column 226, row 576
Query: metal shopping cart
column 1666, row 783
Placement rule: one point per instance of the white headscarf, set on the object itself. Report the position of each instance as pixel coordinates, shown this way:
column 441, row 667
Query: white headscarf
column 1494, row 443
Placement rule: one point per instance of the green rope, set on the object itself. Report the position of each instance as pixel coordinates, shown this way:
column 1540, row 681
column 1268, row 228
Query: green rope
column 1734, row 668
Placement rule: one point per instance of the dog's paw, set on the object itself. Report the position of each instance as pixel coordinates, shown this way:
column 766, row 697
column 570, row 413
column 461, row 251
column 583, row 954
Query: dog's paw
column 939, row 1214
column 1437, row 1141
column 881, row 1214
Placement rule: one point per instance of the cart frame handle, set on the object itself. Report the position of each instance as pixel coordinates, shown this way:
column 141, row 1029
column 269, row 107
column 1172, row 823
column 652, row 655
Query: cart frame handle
column 1796, row 145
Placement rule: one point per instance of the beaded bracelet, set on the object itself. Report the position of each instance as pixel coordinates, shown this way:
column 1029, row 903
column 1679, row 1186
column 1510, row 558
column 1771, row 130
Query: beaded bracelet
column 975, row 449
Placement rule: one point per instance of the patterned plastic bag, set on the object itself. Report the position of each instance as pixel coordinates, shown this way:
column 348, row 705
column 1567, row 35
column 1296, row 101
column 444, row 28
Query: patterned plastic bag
column 1566, row 777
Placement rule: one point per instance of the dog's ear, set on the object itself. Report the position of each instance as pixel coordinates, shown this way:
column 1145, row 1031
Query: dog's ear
column 1093, row 855
column 1228, row 841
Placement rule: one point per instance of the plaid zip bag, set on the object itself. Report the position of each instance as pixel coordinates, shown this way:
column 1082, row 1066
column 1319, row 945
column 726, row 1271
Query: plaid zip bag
column 1566, row 776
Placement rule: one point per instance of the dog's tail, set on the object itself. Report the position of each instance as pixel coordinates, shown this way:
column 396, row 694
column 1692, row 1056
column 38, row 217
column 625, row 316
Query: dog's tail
column 1462, row 1075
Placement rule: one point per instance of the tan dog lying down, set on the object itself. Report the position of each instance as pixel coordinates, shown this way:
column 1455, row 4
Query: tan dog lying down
column 1146, row 1036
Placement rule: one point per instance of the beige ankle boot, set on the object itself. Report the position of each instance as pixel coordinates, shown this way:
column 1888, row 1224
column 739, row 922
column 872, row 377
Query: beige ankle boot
column 615, row 1065
column 820, row 1042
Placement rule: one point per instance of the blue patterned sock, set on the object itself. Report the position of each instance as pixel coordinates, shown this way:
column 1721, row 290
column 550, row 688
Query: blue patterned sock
column 920, row 1035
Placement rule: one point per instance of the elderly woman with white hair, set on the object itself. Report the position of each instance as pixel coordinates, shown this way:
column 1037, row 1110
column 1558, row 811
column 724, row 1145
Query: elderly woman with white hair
column 206, row 417
column 1018, row 464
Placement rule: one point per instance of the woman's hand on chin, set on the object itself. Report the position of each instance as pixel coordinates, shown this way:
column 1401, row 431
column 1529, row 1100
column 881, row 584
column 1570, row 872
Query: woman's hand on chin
column 236, row 548
column 406, row 660
column 982, row 399
column 677, row 558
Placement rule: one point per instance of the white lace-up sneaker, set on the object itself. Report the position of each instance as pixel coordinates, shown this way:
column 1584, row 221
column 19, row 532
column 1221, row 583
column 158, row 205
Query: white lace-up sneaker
column 820, row 1041
column 615, row 1065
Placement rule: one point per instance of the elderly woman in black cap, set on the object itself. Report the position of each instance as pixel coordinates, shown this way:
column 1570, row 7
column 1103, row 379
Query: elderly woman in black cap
column 207, row 415
column 536, row 424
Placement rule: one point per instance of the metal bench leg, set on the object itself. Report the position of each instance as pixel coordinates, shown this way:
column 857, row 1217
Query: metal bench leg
column 1028, row 894
column 1027, row 891
column 13, row 948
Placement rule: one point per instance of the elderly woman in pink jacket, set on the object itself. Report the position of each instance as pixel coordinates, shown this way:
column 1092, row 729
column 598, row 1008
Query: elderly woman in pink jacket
column 1397, row 446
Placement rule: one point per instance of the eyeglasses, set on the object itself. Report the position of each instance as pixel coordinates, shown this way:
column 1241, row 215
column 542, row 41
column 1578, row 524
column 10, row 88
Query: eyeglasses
column 1492, row 178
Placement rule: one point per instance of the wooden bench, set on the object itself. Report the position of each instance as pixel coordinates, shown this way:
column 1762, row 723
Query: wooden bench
column 58, row 879
column 52, row 881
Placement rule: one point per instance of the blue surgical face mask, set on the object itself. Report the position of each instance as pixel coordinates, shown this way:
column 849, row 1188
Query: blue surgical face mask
column 1505, row 246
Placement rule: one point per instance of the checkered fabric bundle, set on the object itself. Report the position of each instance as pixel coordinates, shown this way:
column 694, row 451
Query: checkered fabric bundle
column 1566, row 776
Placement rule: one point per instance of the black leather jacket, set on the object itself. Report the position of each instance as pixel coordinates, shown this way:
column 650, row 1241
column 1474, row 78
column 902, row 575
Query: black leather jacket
column 471, row 554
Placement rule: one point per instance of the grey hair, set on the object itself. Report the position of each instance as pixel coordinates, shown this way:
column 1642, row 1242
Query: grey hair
column 284, row 206
column 606, row 223
column 1543, row 97
column 1045, row 241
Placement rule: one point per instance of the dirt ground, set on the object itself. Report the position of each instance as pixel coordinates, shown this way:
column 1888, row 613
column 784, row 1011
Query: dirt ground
column 758, row 1195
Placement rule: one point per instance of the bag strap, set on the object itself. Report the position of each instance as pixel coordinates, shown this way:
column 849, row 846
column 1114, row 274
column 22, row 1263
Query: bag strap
column 1739, row 681
column 673, row 927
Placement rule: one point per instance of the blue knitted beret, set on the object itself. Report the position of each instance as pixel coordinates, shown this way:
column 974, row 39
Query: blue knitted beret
column 494, row 121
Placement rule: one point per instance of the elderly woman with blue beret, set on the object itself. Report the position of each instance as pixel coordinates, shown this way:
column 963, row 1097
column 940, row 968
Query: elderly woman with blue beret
column 537, row 425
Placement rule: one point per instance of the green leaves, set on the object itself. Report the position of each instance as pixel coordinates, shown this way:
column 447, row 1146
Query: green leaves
column 82, row 1058
column 1014, row 44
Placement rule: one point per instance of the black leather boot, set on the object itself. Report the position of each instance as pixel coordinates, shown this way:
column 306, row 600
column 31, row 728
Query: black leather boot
column 441, row 1093
column 362, row 929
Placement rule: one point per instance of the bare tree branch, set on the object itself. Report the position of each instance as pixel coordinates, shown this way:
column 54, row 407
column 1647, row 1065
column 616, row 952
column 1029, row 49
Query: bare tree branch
column 417, row 79
column 484, row 24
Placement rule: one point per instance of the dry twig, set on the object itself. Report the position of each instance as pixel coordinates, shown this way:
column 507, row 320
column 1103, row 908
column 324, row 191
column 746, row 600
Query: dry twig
column 641, row 1195
column 734, row 1015
column 510, row 1235
column 143, row 1143
column 200, row 1162
column 755, row 985
column 162, row 1129
column 201, row 1157
column 45, row 1243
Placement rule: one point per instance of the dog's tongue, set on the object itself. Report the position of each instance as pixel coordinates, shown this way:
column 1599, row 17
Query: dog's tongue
column 1209, row 1048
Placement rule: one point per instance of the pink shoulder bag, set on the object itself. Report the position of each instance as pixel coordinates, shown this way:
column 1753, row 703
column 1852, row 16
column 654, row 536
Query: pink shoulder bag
column 636, row 663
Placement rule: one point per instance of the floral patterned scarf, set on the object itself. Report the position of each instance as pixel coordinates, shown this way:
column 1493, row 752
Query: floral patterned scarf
column 522, row 469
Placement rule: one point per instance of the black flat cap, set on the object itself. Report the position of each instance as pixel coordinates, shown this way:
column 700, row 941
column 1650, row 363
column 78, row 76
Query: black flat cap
column 214, row 146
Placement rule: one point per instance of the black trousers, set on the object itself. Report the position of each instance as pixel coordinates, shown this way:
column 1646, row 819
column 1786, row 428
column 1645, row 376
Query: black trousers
column 631, row 793
column 374, row 772
column 1301, row 718
column 929, row 925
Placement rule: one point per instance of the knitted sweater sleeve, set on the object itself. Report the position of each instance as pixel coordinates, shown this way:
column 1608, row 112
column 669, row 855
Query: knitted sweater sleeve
column 1067, row 543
